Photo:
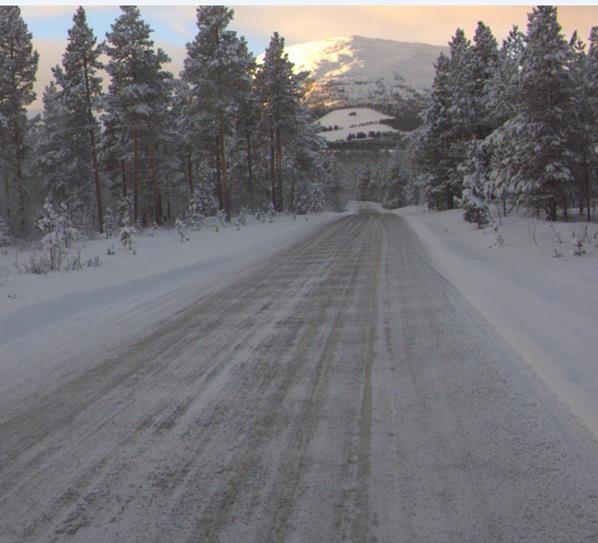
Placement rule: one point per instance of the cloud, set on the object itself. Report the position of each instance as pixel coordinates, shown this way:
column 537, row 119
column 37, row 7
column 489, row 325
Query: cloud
column 428, row 24
column 36, row 12
column 180, row 20
column 175, row 25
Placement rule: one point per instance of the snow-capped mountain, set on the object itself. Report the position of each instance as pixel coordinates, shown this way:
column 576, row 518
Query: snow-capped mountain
column 356, row 70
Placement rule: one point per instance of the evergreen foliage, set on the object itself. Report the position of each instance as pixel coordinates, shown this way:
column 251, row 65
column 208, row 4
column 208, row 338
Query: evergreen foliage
column 280, row 91
column 218, row 69
column 514, row 126
column 18, row 66
column 137, row 105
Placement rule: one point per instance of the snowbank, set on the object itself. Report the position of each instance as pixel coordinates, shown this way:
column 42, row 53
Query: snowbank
column 546, row 306
column 30, row 302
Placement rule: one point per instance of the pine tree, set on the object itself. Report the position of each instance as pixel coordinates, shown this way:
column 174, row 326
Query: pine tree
column 592, row 93
column 82, row 90
column 545, row 101
column 504, row 85
column 484, row 64
column 476, row 180
column 583, row 70
column 280, row 91
column 434, row 140
column 504, row 92
column 53, row 149
column 218, row 67
column 138, row 99
column 462, row 86
column 247, row 130
column 18, row 66
column 307, row 167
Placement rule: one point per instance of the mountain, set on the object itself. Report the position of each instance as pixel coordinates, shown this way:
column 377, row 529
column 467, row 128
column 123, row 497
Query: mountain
column 364, row 71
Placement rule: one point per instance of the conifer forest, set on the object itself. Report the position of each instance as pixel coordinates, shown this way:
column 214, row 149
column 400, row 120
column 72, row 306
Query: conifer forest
column 122, row 141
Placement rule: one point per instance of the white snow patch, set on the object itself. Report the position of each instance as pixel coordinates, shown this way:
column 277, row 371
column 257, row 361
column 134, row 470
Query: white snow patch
column 545, row 306
column 341, row 123
column 356, row 116
column 30, row 303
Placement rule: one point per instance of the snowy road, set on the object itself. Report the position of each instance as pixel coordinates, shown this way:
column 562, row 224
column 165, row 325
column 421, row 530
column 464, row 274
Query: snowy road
column 341, row 390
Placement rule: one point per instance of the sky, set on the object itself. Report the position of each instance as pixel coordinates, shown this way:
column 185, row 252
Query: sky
column 174, row 26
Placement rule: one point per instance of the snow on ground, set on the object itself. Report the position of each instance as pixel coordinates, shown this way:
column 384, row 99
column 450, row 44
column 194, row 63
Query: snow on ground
column 545, row 306
column 357, row 116
column 342, row 134
column 351, row 121
column 30, row 302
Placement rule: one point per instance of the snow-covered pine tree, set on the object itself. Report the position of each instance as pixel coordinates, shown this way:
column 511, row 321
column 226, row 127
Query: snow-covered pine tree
column 584, row 131
column 183, row 136
column 465, row 95
column 306, row 166
column 476, row 173
column 52, row 152
column 462, row 87
column 58, row 234
column 503, row 87
column 218, row 67
column 248, row 121
column 484, row 61
column 434, row 140
column 544, row 118
column 504, row 91
column 201, row 205
column 138, row 97
column 18, row 66
column 81, row 87
column 592, row 92
column 281, row 91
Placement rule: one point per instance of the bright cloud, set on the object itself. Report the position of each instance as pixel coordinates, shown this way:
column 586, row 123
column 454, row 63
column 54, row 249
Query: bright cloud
column 175, row 25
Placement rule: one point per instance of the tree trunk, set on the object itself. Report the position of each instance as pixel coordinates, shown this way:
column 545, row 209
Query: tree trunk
column 155, row 188
column 552, row 210
column 96, row 171
column 7, row 194
column 450, row 199
column 293, row 197
column 279, row 170
column 273, row 169
column 219, row 176
column 226, row 197
column 587, row 190
column 19, row 174
column 123, row 169
column 190, row 174
column 250, row 172
column 168, row 205
column 135, row 177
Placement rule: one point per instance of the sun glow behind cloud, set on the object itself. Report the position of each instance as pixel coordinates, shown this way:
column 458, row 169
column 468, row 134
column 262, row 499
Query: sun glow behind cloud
column 175, row 25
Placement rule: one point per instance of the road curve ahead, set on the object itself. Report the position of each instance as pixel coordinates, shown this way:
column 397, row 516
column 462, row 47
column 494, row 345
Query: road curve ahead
column 340, row 391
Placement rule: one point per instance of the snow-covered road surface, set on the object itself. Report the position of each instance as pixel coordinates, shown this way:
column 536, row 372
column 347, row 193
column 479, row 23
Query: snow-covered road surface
column 341, row 390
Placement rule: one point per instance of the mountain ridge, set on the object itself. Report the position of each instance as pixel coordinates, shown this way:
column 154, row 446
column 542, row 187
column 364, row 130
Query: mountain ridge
column 358, row 70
